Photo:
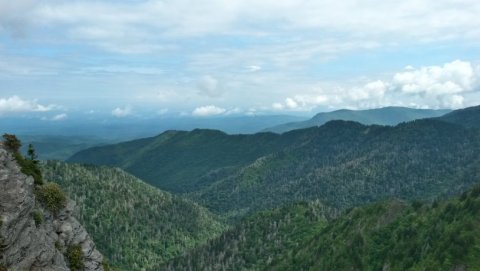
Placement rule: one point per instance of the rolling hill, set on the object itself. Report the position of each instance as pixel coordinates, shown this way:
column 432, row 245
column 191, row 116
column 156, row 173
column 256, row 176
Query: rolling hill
column 389, row 235
column 134, row 224
column 380, row 116
column 176, row 160
column 257, row 240
column 468, row 117
column 342, row 163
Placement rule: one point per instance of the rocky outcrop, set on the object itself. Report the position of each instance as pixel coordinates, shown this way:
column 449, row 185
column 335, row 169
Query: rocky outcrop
column 32, row 238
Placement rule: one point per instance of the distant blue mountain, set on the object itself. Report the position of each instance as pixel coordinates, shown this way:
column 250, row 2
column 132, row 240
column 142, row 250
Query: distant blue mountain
column 128, row 128
column 380, row 116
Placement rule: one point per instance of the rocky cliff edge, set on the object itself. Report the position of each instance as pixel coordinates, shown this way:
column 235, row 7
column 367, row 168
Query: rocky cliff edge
column 31, row 237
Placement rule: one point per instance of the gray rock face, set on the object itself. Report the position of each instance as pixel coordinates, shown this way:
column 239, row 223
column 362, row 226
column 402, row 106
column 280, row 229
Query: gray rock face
column 27, row 246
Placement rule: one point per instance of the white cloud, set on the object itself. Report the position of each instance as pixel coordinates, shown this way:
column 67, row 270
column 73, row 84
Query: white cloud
column 277, row 106
column 209, row 110
column 291, row 103
column 124, row 69
column 15, row 104
column 134, row 26
column 443, row 86
column 60, row 117
column 454, row 77
column 122, row 112
column 209, row 86
column 253, row 68
column 233, row 111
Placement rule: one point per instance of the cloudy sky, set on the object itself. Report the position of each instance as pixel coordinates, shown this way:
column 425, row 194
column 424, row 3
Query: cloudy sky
column 217, row 57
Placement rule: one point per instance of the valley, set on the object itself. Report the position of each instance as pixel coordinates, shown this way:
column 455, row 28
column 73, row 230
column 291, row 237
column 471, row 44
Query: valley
column 343, row 195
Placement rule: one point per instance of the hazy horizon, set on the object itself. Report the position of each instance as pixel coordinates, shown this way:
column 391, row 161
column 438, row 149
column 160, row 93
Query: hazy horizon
column 143, row 59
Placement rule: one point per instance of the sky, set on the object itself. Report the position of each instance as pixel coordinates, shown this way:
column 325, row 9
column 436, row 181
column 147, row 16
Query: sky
column 203, row 58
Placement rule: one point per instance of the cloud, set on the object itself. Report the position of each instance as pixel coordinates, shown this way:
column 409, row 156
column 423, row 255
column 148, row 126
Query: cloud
column 209, row 110
column 134, row 27
column 15, row 104
column 253, row 68
column 122, row 112
column 454, row 77
column 291, row 103
column 124, row 69
column 278, row 106
column 208, row 86
column 15, row 16
column 60, row 117
column 442, row 86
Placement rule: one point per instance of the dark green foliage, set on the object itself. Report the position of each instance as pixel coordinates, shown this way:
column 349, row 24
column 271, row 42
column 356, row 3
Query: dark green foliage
column 30, row 168
column 390, row 235
column 27, row 166
column 395, row 235
column 344, row 164
column 74, row 257
column 347, row 164
column 52, row 197
column 133, row 224
column 12, row 143
column 32, row 155
column 37, row 217
column 57, row 245
column 257, row 240
column 106, row 265
column 184, row 157
column 379, row 116
column 468, row 117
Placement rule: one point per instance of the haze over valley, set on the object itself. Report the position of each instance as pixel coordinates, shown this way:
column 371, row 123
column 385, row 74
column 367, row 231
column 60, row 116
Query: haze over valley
column 239, row 135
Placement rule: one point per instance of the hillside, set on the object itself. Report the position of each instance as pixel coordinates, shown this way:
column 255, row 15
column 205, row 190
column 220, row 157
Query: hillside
column 176, row 160
column 379, row 116
column 468, row 117
column 135, row 225
column 390, row 235
column 396, row 236
column 257, row 240
column 347, row 164
column 342, row 163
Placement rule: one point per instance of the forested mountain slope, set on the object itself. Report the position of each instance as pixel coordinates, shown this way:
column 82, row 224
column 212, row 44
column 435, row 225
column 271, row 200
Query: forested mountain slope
column 346, row 164
column 468, row 117
column 258, row 240
column 390, row 235
column 176, row 160
column 342, row 163
column 135, row 225
column 396, row 236
column 380, row 116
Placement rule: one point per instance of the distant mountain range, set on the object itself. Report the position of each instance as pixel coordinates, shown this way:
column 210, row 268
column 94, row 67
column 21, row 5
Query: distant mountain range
column 342, row 163
column 50, row 147
column 380, row 116
column 110, row 129
column 340, row 196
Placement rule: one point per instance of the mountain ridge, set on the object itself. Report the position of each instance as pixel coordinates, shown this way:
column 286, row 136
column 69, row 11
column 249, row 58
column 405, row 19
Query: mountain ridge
column 391, row 115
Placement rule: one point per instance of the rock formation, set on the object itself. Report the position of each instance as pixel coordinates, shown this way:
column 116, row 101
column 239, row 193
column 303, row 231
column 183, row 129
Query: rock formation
column 31, row 237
